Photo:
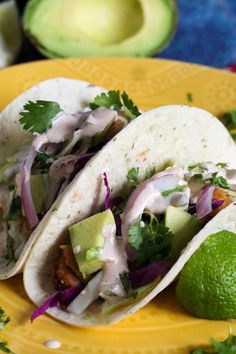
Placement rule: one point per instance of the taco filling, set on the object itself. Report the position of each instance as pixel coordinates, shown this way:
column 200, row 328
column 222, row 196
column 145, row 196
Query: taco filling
column 32, row 179
column 115, row 257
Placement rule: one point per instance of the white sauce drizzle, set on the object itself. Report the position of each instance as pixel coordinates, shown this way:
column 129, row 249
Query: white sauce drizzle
column 52, row 344
column 148, row 196
column 77, row 249
column 115, row 262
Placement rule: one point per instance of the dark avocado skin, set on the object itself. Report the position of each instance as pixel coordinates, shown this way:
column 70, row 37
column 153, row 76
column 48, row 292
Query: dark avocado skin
column 32, row 6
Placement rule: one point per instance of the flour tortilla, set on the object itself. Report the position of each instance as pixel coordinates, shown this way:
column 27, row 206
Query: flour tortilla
column 181, row 134
column 72, row 96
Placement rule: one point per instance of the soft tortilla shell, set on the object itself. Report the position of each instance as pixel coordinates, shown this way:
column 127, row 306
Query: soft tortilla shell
column 181, row 134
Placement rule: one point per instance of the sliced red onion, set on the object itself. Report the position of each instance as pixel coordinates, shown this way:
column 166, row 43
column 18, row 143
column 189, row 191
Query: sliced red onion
column 108, row 192
column 204, row 201
column 58, row 299
column 147, row 274
column 26, row 196
column 231, row 67
column 216, row 203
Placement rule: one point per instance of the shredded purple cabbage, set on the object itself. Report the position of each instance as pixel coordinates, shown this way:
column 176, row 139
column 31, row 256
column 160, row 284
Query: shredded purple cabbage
column 81, row 162
column 147, row 274
column 216, row 203
column 108, row 192
column 60, row 298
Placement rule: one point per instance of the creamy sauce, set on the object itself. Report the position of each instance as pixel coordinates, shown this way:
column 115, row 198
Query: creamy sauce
column 206, row 169
column 148, row 196
column 98, row 121
column 114, row 256
column 77, row 249
column 52, row 344
column 61, row 130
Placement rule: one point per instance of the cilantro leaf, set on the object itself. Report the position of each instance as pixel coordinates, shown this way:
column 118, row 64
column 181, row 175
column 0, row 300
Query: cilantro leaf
column 218, row 180
column 4, row 347
column 191, row 167
column 133, row 176
column 150, row 172
column 228, row 346
column 15, row 211
column 229, row 119
column 150, row 238
column 125, row 281
column 131, row 110
column 37, row 116
column 178, row 188
column 111, row 99
column 116, row 100
column 4, row 319
column 10, row 254
column 221, row 164
column 189, row 96
column 124, row 278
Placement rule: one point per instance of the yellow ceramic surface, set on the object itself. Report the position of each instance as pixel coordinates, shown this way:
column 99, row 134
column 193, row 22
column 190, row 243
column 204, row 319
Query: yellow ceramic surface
column 162, row 327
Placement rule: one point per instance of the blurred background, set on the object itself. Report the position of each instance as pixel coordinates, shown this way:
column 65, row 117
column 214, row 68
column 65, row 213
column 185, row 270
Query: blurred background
column 204, row 33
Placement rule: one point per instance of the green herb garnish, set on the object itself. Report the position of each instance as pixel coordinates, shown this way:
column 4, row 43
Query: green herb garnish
column 4, row 347
column 116, row 100
column 191, row 167
column 150, row 238
column 125, row 281
column 15, row 211
column 133, row 176
column 221, row 164
column 178, row 188
column 4, row 319
column 150, row 172
column 189, row 97
column 43, row 157
column 218, row 180
column 10, row 254
column 229, row 119
column 37, row 116
column 228, row 346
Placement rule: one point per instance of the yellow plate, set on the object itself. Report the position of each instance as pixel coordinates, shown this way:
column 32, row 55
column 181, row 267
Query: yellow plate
column 162, row 327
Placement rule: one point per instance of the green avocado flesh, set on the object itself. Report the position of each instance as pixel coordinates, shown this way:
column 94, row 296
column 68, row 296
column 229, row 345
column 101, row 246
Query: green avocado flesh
column 183, row 226
column 87, row 240
column 70, row 28
column 38, row 190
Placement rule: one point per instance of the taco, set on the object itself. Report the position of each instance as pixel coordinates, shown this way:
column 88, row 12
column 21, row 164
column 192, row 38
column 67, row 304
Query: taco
column 114, row 239
column 48, row 134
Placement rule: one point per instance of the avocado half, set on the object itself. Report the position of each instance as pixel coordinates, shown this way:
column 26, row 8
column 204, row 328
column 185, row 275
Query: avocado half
column 83, row 28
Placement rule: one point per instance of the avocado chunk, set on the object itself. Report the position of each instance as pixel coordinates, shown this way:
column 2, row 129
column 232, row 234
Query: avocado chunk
column 38, row 191
column 85, row 28
column 183, row 226
column 87, row 239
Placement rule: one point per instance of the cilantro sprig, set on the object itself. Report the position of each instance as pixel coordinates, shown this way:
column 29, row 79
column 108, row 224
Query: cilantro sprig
column 37, row 116
column 178, row 188
column 228, row 346
column 229, row 119
column 116, row 100
column 218, row 180
column 10, row 254
column 133, row 177
column 4, row 319
column 125, row 281
column 151, row 238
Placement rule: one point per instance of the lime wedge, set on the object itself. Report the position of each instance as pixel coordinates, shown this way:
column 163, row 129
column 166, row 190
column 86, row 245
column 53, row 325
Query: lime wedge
column 10, row 33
